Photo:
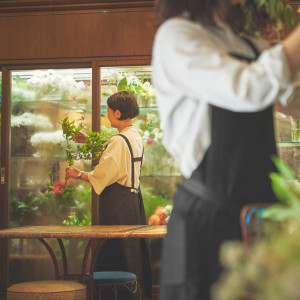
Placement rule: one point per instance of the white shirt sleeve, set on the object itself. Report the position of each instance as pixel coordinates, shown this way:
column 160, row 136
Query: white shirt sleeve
column 107, row 171
column 196, row 63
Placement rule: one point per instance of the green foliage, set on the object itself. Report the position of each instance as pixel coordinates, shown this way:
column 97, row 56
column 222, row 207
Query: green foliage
column 151, row 201
column 69, row 132
column 278, row 10
column 50, row 204
column 136, row 86
column 95, row 142
column 285, row 188
column 24, row 209
column 278, row 13
column 73, row 220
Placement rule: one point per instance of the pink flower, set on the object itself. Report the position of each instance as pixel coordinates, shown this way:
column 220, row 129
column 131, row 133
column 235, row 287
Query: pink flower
column 150, row 141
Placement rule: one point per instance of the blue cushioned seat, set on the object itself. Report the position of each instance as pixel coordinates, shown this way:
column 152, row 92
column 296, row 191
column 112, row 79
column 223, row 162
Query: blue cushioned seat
column 113, row 276
column 115, row 280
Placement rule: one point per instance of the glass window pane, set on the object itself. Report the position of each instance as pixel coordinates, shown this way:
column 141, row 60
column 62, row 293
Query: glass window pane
column 39, row 195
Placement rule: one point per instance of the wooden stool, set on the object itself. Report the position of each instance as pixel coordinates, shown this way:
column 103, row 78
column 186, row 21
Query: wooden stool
column 47, row 290
column 115, row 280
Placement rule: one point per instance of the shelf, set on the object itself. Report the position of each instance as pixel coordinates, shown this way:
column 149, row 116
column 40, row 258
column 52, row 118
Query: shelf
column 64, row 103
column 38, row 158
column 288, row 144
column 142, row 108
column 161, row 176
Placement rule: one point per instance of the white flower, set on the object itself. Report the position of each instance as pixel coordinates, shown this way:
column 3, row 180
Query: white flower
column 168, row 209
column 146, row 134
column 112, row 76
column 132, row 79
column 22, row 94
column 30, row 119
column 55, row 137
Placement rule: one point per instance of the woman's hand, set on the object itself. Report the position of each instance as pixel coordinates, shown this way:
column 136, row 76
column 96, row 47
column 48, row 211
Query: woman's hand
column 71, row 172
column 80, row 137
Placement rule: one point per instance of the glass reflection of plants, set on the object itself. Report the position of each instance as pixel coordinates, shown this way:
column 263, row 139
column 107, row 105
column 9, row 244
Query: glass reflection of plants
column 50, row 85
column 36, row 131
column 50, row 204
column 157, row 160
column 130, row 82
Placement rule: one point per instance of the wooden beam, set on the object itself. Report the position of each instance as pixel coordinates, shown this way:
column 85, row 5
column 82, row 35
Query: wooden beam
column 21, row 6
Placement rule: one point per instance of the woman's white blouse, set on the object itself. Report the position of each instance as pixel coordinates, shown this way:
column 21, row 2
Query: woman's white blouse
column 115, row 162
column 192, row 68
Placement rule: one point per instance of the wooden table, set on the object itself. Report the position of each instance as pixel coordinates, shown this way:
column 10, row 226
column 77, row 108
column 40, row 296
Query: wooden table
column 97, row 236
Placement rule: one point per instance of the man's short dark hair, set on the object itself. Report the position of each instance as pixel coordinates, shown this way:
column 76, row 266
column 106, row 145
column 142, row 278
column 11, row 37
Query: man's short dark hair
column 124, row 102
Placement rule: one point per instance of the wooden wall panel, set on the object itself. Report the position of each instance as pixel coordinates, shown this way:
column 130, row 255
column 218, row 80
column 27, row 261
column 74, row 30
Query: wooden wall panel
column 21, row 6
column 77, row 35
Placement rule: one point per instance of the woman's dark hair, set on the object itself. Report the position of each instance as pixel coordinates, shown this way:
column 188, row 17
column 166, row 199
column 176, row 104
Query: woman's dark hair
column 125, row 103
column 242, row 18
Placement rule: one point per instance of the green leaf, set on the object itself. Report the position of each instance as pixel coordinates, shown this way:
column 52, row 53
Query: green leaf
column 283, row 168
column 272, row 4
column 289, row 16
column 277, row 212
column 280, row 187
column 280, row 10
column 122, row 86
column 260, row 3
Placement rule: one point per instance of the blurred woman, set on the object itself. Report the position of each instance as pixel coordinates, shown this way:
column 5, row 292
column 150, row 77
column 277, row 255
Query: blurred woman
column 216, row 88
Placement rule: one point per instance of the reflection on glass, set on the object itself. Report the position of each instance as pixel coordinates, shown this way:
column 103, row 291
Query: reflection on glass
column 40, row 100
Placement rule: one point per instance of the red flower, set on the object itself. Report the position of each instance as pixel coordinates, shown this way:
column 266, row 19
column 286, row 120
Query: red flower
column 150, row 141
column 57, row 190
column 58, row 183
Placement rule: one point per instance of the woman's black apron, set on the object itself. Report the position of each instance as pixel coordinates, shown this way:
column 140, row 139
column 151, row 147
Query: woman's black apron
column 121, row 205
column 234, row 172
